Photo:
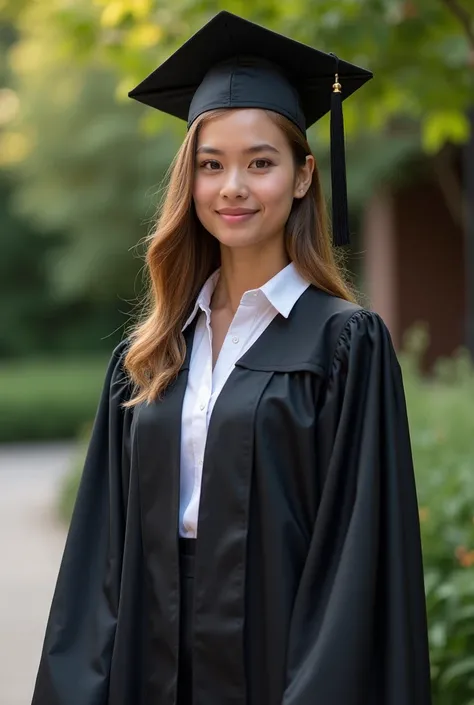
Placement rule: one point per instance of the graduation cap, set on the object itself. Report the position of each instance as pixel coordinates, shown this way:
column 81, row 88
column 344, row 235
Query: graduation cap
column 234, row 63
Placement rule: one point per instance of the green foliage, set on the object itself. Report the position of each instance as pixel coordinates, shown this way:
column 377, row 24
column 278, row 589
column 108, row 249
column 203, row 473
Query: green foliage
column 23, row 288
column 85, row 174
column 420, row 50
column 371, row 162
column 35, row 314
column 95, row 171
column 48, row 399
column 85, row 162
column 442, row 432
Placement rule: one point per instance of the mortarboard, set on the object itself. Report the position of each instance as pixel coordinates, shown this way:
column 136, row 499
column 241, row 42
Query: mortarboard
column 234, row 63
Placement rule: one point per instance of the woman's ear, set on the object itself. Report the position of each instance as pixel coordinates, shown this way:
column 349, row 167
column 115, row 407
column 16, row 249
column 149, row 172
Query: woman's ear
column 303, row 177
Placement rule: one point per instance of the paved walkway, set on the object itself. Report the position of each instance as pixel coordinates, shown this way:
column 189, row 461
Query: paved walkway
column 31, row 545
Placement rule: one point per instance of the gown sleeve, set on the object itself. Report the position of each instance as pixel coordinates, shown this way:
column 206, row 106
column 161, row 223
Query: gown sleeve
column 75, row 661
column 358, row 634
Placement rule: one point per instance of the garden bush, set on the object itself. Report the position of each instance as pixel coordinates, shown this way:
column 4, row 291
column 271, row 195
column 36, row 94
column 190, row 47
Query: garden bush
column 48, row 399
column 441, row 413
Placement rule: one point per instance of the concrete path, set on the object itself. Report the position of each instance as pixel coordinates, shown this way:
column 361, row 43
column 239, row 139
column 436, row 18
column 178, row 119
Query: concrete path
column 31, row 545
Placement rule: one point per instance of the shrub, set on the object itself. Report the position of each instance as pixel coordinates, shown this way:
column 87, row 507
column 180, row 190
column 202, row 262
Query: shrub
column 441, row 413
column 48, row 399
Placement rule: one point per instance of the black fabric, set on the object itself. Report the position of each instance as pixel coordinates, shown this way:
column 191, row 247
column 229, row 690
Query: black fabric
column 176, row 86
column 243, row 81
column 185, row 668
column 340, row 210
column 187, row 547
column 308, row 579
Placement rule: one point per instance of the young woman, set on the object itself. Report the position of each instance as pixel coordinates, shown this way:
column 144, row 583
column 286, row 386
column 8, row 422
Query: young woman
column 246, row 530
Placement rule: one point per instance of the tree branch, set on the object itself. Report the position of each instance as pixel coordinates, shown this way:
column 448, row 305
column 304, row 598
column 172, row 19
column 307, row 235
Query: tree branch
column 449, row 183
column 464, row 18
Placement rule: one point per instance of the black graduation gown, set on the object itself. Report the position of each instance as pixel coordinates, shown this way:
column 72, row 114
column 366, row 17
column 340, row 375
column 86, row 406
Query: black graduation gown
column 308, row 582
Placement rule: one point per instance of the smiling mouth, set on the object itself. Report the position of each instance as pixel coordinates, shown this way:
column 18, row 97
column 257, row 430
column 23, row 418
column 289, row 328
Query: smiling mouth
column 237, row 216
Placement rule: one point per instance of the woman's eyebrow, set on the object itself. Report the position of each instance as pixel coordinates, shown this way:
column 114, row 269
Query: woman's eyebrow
column 263, row 147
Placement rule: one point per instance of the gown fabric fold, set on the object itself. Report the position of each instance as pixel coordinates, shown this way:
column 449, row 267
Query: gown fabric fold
column 358, row 633
column 308, row 584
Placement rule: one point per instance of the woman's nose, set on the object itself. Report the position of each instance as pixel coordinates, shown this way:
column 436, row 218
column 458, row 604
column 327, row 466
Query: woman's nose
column 234, row 185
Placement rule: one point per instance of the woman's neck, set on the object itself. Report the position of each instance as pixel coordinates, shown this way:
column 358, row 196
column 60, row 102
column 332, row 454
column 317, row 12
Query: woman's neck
column 242, row 271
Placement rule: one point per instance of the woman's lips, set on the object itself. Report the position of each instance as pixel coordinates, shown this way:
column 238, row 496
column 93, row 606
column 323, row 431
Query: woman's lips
column 236, row 217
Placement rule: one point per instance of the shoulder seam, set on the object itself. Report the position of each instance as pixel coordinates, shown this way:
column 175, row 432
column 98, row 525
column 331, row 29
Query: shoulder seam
column 360, row 312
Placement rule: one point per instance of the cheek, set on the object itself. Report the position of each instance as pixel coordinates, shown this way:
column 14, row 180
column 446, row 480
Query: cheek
column 276, row 191
column 204, row 190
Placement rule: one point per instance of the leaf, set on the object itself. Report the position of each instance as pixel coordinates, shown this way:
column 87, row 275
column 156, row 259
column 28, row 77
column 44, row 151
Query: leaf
column 9, row 106
column 144, row 35
column 14, row 148
column 113, row 13
column 438, row 634
column 465, row 613
column 461, row 668
column 444, row 126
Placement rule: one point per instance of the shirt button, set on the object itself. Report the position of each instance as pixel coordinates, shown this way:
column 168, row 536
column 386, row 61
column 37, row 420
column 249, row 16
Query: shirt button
column 235, row 339
column 200, row 462
column 202, row 407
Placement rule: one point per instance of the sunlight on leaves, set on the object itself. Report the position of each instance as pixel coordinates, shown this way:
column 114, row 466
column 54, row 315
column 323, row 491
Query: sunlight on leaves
column 144, row 35
column 116, row 10
column 444, row 126
column 9, row 105
column 113, row 13
column 26, row 55
column 14, row 148
column 123, row 87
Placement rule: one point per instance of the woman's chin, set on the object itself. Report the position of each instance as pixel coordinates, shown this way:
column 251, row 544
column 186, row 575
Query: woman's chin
column 233, row 237
column 241, row 236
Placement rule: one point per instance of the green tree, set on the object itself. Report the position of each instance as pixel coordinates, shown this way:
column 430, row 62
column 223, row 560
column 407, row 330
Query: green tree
column 88, row 160
column 85, row 169
column 25, row 307
column 421, row 51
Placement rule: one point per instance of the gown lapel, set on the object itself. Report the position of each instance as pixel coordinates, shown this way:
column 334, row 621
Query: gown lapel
column 220, row 569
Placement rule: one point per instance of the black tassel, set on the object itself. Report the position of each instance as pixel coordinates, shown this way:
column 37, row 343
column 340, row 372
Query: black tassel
column 340, row 214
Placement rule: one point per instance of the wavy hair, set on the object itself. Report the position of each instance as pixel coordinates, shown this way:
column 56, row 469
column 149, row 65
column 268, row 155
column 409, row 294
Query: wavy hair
column 182, row 254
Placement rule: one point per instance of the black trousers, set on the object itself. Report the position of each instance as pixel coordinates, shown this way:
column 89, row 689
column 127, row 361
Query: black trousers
column 185, row 674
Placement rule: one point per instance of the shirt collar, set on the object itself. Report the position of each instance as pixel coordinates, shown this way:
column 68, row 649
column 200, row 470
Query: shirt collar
column 282, row 291
column 203, row 300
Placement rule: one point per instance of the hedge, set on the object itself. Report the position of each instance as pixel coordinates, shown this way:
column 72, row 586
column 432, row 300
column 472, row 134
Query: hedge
column 441, row 414
column 48, row 399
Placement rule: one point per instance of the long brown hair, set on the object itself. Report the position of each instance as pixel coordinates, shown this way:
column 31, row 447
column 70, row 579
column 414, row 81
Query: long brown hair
column 181, row 255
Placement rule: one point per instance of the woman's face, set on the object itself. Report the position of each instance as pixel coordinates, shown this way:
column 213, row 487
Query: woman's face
column 246, row 179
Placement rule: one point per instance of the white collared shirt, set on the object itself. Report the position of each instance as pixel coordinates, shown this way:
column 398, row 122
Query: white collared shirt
column 257, row 308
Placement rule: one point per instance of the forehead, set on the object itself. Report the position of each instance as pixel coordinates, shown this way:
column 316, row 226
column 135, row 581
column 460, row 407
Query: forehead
column 240, row 128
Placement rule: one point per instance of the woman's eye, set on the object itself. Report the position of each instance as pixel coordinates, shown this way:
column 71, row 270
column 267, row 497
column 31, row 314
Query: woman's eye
column 211, row 165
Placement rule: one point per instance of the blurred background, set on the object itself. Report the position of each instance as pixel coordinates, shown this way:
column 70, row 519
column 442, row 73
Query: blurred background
column 80, row 173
